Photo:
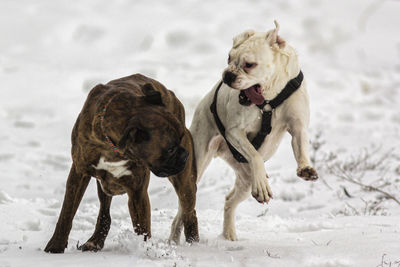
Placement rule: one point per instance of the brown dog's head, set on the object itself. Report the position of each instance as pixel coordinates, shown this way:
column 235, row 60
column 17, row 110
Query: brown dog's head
column 154, row 135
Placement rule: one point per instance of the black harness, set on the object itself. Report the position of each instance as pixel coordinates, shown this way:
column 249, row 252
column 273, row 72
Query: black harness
column 289, row 89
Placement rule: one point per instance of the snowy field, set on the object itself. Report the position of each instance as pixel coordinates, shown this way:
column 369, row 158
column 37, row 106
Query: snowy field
column 53, row 52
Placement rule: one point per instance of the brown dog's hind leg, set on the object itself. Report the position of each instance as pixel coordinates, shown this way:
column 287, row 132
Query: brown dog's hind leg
column 96, row 241
column 76, row 187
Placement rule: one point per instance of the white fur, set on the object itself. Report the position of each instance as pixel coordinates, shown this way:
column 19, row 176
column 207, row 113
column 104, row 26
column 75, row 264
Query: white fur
column 276, row 65
column 117, row 168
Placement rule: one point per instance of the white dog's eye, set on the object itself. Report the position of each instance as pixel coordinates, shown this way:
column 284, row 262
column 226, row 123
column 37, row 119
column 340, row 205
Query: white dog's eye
column 248, row 65
column 229, row 59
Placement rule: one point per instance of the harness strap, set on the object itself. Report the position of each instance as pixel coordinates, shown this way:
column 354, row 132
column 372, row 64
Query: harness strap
column 108, row 139
column 236, row 154
column 266, row 127
column 286, row 92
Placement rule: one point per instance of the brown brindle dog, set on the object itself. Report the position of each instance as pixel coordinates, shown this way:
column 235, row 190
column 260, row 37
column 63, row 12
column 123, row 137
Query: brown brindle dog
column 126, row 129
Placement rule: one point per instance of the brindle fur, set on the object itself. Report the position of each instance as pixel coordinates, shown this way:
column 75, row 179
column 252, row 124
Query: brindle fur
column 128, row 107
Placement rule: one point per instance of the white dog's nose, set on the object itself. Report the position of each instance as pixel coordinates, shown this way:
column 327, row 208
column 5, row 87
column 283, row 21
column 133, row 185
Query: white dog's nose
column 229, row 78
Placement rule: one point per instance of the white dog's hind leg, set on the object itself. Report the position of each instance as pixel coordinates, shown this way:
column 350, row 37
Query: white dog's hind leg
column 176, row 227
column 240, row 192
column 300, row 150
column 205, row 141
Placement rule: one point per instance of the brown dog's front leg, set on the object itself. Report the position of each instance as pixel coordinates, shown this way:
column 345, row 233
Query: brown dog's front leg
column 186, row 192
column 96, row 241
column 139, row 209
column 76, row 187
column 185, row 187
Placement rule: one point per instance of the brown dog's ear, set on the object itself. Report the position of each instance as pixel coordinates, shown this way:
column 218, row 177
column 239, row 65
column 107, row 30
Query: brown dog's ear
column 135, row 133
column 273, row 37
column 152, row 96
column 239, row 39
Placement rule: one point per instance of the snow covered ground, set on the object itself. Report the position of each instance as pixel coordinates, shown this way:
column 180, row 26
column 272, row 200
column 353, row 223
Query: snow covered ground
column 53, row 52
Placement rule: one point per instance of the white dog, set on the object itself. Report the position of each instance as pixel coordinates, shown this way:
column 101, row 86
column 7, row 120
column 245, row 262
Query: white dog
column 264, row 68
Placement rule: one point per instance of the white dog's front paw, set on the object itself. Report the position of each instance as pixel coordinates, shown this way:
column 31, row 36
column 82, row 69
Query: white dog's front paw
column 307, row 173
column 229, row 234
column 261, row 190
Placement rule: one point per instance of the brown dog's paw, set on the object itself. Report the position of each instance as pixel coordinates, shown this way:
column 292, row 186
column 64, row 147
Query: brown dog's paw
column 54, row 247
column 90, row 246
column 191, row 227
column 192, row 236
column 307, row 173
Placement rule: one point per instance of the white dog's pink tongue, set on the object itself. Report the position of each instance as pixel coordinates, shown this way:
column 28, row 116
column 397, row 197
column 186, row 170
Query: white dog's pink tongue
column 254, row 94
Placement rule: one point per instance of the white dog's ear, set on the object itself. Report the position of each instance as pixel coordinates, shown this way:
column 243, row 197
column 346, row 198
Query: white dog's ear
column 239, row 39
column 274, row 38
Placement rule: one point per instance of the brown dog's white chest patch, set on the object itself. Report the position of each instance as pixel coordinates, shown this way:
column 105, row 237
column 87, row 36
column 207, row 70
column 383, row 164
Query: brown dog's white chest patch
column 116, row 168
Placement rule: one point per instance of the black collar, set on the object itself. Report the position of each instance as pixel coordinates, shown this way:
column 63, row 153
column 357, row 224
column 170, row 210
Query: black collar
column 266, row 128
column 108, row 139
column 287, row 91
